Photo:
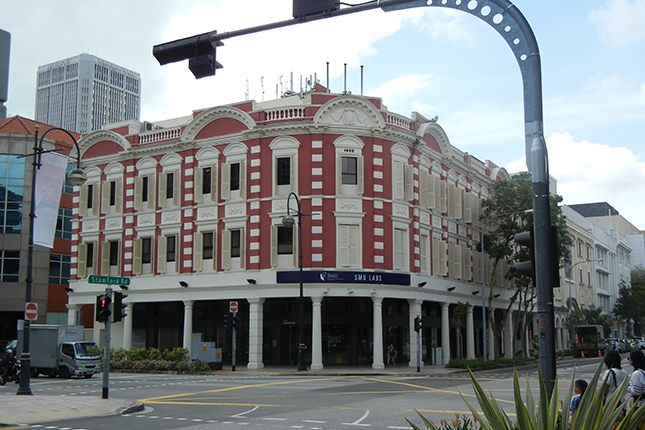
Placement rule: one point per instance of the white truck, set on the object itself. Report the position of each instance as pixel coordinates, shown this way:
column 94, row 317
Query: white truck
column 59, row 350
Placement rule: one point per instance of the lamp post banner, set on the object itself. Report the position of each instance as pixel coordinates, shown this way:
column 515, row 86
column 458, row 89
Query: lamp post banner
column 49, row 185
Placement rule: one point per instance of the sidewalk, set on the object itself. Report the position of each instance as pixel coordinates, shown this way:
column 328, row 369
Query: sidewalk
column 16, row 410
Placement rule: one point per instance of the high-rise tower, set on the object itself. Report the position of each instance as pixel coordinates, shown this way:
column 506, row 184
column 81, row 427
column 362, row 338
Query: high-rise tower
column 85, row 92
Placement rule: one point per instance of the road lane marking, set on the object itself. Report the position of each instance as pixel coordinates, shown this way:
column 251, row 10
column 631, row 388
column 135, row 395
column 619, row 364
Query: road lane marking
column 358, row 422
column 241, row 414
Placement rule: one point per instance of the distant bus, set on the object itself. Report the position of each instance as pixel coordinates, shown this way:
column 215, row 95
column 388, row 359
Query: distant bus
column 590, row 340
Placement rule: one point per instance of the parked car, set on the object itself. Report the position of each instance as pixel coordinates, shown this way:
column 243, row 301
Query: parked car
column 640, row 341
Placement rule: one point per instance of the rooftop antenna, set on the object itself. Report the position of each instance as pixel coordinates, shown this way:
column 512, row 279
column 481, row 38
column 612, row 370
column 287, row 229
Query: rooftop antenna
column 291, row 86
column 328, row 90
column 246, row 93
column 361, row 79
column 262, row 85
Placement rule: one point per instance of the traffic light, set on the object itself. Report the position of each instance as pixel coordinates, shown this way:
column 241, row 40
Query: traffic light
column 103, row 308
column 418, row 324
column 526, row 267
column 554, row 258
column 302, row 8
column 119, row 306
column 235, row 320
column 198, row 50
column 227, row 320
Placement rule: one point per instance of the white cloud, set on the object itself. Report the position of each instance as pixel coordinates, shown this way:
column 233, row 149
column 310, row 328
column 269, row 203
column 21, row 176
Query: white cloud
column 587, row 172
column 403, row 89
column 621, row 22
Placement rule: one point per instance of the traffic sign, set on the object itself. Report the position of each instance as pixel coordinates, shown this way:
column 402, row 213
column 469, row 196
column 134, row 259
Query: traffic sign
column 232, row 307
column 108, row 280
column 31, row 311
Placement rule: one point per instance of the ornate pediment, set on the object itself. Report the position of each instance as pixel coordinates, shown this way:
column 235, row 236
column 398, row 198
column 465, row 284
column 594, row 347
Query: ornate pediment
column 348, row 111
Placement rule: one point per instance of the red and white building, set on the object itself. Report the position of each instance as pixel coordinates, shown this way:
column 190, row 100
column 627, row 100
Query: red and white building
column 191, row 210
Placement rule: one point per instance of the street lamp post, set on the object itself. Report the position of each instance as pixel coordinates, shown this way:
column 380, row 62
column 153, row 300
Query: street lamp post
column 76, row 177
column 288, row 222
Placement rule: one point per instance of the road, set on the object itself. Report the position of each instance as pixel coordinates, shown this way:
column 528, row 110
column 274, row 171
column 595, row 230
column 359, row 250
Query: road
column 308, row 402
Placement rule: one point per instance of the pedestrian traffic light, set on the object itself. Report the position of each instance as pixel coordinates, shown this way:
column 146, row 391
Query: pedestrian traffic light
column 103, row 308
column 418, row 324
column 526, row 267
column 119, row 306
column 227, row 320
column 199, row 50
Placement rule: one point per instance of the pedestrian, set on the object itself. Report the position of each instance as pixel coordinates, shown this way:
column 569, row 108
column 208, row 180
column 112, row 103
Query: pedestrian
column 636, row 389
column 391, row 354
column 614, row 375
column 579, row 388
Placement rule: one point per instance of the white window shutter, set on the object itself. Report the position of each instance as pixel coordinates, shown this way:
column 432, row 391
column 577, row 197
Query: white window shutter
column 226, row 181
column 82, row 202
column 439, row 257
column 136, row 255
column 468, row 208
column 432, row 192
column 118, row 201
column 409, row 182
column 176, row 188
column 442, row 197
column 138, row 193
column 360, row 173
column 105, row 258
column 343, row 245
column 458, row 203
column 353, row 246
column 81, row 261
column 226, row 250
column 105, row 197
column 163, row 178
column 423, row 189
column 214, row 183
column 466, row 264
column 198, row 185
column 399, row 185
column 242, row 179
column 274, row 245
column 477, row 269
column 293, row 172
column 451, row 200
column 198, row 248
column 161, row 255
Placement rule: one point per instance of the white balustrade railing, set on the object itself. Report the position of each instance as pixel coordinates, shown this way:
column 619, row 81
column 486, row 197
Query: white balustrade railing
column 399, row 121
column 159, row 135
column 285, row 113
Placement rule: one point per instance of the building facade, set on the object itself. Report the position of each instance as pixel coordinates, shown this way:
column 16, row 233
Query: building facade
column 84, row 93
column 51, row 267
column 192, row 213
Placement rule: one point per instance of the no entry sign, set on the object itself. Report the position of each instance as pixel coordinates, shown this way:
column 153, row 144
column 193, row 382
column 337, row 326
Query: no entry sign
column 232, row 307
column 31, row 311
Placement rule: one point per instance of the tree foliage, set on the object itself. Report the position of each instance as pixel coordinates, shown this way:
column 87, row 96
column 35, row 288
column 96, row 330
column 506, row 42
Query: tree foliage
column 589, row 316
column 631, row 297
column 505, row 214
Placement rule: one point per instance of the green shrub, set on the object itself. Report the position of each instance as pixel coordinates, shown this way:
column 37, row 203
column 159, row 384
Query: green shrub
column 593, row 412
column 176, row 354
column 480, row 364
column 151, row 359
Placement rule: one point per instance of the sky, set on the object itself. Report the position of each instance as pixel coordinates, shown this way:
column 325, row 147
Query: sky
column 433, row 60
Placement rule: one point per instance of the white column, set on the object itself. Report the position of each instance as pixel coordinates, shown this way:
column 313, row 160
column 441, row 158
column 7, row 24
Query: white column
column 188, row 326
column 256, row 327
column 470, row 334
column 127, row 326
column 445, row 333
column 414, row 307
column 72, row 311
column 316, row 333
column 509, row 347
column 377, row 329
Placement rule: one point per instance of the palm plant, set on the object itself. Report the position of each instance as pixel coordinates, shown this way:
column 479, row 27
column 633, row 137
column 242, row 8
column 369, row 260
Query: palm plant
column 593, row 413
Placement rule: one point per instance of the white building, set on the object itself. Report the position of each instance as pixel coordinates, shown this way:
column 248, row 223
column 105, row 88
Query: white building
column 85, row 92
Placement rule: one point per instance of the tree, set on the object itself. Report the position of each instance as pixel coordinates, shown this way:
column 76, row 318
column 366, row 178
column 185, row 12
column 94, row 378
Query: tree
column 589, row 316
column 459, row 314
column 505, row 214
column 631, row 299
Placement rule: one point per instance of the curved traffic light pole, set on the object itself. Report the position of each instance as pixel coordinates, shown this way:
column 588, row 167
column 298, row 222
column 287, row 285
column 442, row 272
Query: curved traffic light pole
column 510, row 23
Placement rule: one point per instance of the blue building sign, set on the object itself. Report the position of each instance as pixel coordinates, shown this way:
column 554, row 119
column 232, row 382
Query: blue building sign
column 333, row 276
